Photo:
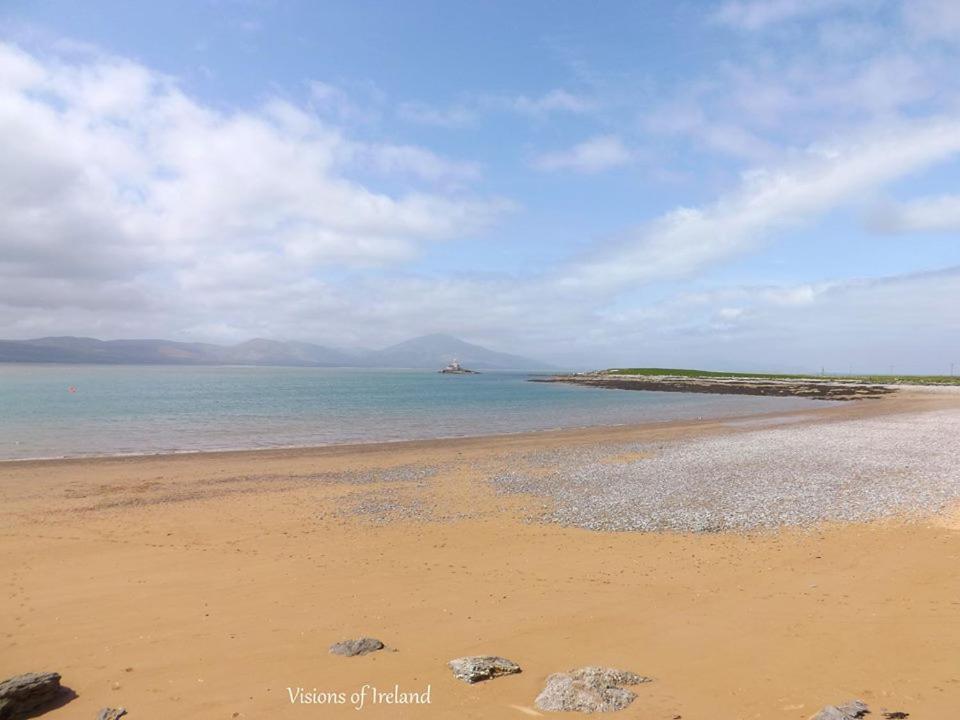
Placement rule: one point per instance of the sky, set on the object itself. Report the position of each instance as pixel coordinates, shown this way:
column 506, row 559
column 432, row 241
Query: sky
column 753, row 184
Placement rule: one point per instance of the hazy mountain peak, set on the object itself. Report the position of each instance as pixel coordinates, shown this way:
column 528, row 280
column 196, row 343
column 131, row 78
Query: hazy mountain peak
column 437, row 350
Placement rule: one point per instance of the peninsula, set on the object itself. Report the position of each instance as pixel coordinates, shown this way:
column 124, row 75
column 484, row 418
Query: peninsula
column 825, row 387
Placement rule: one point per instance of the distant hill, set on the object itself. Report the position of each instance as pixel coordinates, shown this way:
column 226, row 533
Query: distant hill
column 114, row 352
column 274, row 352
column 429, row 352
column 437, row 351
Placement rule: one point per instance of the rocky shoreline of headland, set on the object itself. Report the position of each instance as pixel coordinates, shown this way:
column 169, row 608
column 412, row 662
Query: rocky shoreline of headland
column 813, row 388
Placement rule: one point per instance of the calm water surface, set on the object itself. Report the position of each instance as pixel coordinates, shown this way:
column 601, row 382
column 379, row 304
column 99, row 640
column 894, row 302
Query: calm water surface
column 151, row 409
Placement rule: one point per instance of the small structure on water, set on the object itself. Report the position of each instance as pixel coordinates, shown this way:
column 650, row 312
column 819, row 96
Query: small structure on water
column 455, row 368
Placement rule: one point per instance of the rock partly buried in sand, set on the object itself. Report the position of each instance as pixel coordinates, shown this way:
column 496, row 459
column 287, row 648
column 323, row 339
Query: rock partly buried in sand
column 589, row 689
column 360, row 646
column 24, row 694
column 848, row 711
column 476, row 668
column 111, row 714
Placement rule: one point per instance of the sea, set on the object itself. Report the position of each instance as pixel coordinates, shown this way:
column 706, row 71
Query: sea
column 49, row 411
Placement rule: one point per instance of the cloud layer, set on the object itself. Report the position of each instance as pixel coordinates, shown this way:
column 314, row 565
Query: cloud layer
column 115, row 184
column 594, row 155
column 130, row 207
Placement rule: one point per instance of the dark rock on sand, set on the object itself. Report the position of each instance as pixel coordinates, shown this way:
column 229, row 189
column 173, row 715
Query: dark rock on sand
column 24, row 694
column 895, row 714
column 848, row 711
column 360, row 646
column 111, row 714
column 475, row 668
column 589, row 689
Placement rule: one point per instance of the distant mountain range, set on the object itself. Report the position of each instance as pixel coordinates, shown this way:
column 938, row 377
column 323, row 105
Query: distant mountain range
column 428, row 351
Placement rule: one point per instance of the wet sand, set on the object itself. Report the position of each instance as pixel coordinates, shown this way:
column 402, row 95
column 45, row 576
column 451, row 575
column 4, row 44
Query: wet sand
column 203, row 586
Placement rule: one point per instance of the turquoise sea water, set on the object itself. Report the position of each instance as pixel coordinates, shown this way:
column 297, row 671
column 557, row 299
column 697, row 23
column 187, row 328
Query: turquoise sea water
column 151, row 409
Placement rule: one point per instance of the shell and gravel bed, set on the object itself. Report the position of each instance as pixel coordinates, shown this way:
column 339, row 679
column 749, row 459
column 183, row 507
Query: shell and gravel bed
column 854, row 470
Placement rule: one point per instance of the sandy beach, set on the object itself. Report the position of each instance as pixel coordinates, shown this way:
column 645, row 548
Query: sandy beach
column 206, row 585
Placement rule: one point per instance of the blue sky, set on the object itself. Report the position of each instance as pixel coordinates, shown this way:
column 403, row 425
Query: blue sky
column 740, row 183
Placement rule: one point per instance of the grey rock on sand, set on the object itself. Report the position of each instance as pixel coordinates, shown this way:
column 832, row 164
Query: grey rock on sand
column 23, row 694
column 589, row 689
column 111, row 714
column 475, row 668
column 848, row 711
column 360, row 646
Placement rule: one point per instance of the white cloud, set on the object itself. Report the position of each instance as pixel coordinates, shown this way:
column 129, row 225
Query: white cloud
column 557, row 100
column 687, row 117
column 409, row 160
column 760, row 14
column 360, row 104
column 929, row 214
column 689, row 239
column 112, row 173
column 858, row 325
column 933, row 18
column 594, row 155
column 765, row 107
column 469, row 109
column 425, row 114
column 575, row 298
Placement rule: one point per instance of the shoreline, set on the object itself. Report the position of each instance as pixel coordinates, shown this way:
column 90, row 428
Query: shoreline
column 899, row 399
column 396, row 440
